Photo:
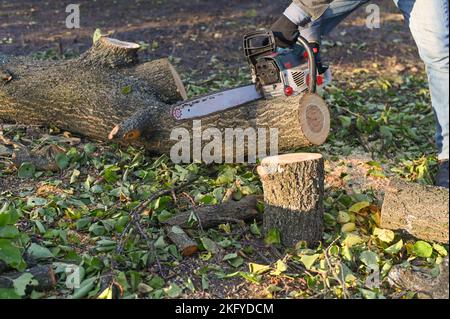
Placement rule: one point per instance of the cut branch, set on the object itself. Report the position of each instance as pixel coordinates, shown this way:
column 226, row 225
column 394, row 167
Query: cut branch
column 213, row 215
column 183, row 242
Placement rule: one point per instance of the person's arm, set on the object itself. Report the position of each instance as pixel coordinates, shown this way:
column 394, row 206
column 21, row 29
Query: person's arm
column 299, row 13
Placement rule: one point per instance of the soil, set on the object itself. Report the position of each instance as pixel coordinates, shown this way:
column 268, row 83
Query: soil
column 198, row 30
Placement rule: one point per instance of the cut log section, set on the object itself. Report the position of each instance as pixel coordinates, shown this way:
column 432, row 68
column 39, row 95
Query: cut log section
column 293, row 195
column 213, row 215
column 422, row 211
column 106, row 93
column 184, row 243
column 44, row 275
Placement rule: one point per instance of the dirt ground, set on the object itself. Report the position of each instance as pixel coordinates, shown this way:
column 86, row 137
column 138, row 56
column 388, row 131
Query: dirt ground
column 197, row 30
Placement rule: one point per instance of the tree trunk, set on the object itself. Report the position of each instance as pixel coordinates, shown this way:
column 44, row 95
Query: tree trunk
column 88, row 95
column 422, row 211
column 213, row 215
column 293, row 194
column 44, row 275
column 105, row 93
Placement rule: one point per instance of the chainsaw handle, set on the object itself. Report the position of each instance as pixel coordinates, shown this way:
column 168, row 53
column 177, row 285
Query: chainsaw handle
column 312, row 64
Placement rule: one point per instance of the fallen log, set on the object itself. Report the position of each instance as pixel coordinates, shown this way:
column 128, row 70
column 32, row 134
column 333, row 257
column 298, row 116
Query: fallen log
column 184, row 243
column 88, row 95
column 105, row 93
column 44, row 276
column 293, row 195
column 420, row 210
column 213, row 215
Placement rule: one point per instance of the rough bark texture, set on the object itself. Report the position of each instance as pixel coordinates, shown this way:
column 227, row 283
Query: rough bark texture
column 211, row 216
column 297, row 125
column 44, row 275
column 88, row 95
column 422, row 211
column 293, row 194
column 184, row 243
column 105, row 93
column 422, row 282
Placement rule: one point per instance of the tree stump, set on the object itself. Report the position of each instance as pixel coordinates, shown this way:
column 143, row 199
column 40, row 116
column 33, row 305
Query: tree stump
column 422, row 211
column 293, row 194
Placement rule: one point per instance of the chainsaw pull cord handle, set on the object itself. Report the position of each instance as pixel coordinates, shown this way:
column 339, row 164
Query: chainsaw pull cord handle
column 312, row 64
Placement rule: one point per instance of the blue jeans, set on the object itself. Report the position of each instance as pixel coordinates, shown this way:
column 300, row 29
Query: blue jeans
column 428, row 22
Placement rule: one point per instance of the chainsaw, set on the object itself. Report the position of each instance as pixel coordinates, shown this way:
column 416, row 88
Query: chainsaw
column 275, row 72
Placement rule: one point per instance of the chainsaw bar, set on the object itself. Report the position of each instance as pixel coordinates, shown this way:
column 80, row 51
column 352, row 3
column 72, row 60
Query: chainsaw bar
column 216, row 102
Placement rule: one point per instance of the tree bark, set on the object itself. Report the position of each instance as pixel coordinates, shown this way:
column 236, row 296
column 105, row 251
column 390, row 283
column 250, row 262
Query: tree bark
column 44, row 275
column 293, row 194
column 105, row 93
column 213, row 215
column 422, row 211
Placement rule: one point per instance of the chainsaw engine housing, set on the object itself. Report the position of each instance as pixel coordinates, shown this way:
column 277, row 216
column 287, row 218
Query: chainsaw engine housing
column 276, row 72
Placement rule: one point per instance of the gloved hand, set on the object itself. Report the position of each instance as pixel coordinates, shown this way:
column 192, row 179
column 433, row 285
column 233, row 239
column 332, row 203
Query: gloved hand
column 285, row 32
column 285, row 28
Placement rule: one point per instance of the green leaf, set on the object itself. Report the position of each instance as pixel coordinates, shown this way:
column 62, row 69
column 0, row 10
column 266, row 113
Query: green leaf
column 85, row 287
column 21, row 283
column 39, row 252
column 422, row 249
column 8, row 293
column 173, row 291
column 273, row 237
column 36, row 201
column 156, row 282
column 205, row 282
column 369, row 258
column 8, row 217
column 9, row 231
column 234, row 260
column 62, row 160
column 26, row 170
column 209, row 245
column 355, row 208
column 254, row 229
column 309, row 260
column 11, row 255
column 395, row 248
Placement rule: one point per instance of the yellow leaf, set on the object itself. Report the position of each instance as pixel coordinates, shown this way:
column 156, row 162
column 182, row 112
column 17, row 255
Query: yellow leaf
column 106, row 294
